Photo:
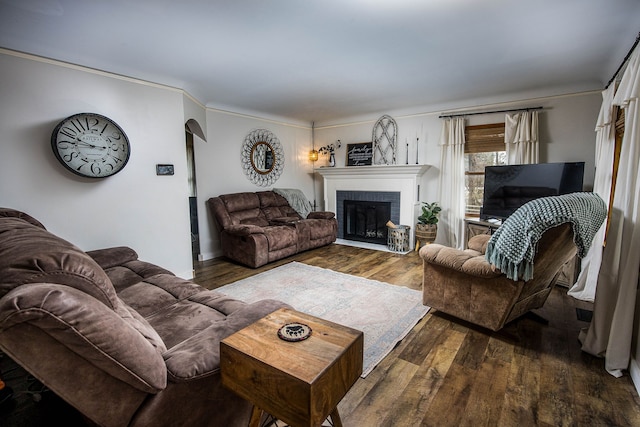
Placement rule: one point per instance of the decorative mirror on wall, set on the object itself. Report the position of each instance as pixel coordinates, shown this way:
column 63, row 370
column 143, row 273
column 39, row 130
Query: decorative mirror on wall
column 262, row 157
column 385, row 134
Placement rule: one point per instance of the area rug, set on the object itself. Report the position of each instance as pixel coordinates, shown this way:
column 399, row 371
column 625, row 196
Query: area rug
column 384, row 312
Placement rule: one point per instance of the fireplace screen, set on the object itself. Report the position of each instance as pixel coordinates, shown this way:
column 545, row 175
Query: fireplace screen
column 366, row 221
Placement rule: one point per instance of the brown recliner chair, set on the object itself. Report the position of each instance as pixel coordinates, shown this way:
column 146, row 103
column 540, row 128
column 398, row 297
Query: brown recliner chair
column 464, row 284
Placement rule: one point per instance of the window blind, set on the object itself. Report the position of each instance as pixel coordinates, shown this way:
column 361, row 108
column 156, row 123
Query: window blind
column 483, row 138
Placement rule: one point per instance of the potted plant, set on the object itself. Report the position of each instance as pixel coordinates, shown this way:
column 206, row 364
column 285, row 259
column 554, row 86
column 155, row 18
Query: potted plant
column 427, row 227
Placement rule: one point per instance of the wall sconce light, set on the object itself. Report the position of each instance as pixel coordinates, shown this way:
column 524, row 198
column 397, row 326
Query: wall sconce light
column 313, row 155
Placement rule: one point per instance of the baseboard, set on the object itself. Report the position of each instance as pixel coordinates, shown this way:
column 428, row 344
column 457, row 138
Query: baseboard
column 209, row 255
column 188, row 275
column 634, row 372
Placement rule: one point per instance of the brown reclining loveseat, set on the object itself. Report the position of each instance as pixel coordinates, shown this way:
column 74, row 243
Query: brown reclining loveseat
column 258, row 228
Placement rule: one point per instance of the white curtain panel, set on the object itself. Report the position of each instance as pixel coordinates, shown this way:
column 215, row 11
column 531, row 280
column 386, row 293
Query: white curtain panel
column 452, row 182
column 521, row 137
column 585, row 287
column 611, row 331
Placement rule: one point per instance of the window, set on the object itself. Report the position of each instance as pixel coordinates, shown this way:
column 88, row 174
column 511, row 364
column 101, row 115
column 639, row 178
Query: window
column 484, row 146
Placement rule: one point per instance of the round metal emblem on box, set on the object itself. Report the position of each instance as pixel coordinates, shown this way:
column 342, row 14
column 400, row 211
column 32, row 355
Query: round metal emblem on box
column 294, row 332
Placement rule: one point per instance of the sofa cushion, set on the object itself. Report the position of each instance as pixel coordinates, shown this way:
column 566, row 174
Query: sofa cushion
column 257, row 221
column 244, row 230
column 273, row 206
column 155, row 293
column 284, row 220
column 199, row 355
column 111, row 257
column 468, row 261
column 281, row 236
column 30, row 254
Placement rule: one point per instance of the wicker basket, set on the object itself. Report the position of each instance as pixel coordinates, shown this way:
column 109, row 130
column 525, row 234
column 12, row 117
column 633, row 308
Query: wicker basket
column 398, row 238
column 426, row 233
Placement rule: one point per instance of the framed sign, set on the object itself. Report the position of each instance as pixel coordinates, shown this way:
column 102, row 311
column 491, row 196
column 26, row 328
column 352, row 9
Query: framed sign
column 360, row 154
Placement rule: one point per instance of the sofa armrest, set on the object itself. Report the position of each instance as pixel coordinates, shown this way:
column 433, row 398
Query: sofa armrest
column 112, row 257
column 117, row 343
column 479, row 243
column 244, row 229
column 321, row 215
column 468, row 261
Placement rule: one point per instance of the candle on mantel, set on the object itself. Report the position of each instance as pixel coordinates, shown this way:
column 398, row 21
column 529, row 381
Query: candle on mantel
column 405, row 140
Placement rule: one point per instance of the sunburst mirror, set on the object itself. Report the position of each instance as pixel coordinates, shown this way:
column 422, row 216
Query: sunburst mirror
column 262, row 157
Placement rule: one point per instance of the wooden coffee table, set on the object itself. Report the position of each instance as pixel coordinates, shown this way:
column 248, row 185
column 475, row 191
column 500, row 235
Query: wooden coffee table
column 300, row 383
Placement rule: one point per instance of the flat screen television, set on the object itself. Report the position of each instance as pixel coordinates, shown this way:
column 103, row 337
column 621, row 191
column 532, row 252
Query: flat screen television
column 506, row 188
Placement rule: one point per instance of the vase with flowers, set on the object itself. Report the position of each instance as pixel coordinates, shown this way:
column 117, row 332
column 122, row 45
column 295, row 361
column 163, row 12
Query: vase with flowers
column 331, row 149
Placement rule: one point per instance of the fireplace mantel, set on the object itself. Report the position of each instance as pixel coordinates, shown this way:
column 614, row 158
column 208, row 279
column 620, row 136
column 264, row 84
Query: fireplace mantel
column 399, row 178
column 377, row 171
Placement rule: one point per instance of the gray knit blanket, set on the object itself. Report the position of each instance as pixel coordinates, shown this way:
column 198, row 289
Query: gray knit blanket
column 513, row 246
column 297, row 200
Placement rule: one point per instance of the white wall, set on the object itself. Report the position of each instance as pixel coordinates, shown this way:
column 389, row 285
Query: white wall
column 135, row 207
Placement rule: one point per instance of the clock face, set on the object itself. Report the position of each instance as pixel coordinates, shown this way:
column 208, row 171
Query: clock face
column 90, row 145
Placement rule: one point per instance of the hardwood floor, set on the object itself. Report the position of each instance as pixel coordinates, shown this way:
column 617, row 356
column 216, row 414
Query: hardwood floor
column 449, row 373
column 444, row 373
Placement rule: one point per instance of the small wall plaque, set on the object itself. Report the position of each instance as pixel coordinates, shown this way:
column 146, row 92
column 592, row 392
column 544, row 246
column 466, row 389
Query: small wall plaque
column 164, row 169
column 360, row 154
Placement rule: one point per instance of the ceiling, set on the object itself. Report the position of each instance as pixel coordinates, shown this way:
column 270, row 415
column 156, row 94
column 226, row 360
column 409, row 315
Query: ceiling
column 324, row 61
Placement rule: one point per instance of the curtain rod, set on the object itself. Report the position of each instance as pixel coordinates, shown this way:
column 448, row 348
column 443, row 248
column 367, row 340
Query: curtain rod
column 489, row 112
column 624, row 61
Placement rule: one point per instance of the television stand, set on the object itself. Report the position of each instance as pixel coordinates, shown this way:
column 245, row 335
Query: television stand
column 474, row 226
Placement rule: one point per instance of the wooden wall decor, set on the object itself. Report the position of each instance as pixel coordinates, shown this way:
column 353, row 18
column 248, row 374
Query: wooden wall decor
column 385, row 135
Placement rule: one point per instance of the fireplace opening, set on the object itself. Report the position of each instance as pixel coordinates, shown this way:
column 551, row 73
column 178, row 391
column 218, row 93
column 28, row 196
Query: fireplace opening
column 366, row 221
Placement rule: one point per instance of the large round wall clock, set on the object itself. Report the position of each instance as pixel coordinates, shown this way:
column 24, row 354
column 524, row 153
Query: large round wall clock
column 90, row 145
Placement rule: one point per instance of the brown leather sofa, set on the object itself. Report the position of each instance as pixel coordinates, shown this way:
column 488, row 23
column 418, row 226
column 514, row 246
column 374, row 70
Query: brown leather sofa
column 124, row 341
column 258, row 228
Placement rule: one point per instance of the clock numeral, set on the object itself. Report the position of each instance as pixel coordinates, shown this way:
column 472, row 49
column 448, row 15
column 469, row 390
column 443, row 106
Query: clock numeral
column 117, row 159
column 95, row 168
column 67, row 131
column 92, row 123
column 65, row 145
column 115, row 146
column 77, row 123
column 70, row 156
column 114, row 135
